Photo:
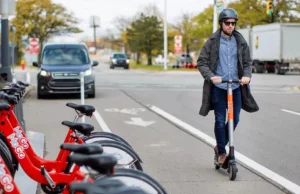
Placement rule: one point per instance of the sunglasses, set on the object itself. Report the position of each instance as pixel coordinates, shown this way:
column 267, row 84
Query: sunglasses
column 228, row 23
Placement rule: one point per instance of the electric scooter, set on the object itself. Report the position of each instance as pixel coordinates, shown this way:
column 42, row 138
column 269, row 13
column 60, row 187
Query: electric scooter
column 229, row 163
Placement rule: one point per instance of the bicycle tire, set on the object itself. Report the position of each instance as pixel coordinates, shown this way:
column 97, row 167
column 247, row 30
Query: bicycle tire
column 112, row 135
column 118, row 145
column 7, row 157
column 15, row 162
column 137, row 176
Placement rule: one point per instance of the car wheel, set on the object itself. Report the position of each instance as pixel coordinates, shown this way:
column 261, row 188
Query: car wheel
column 93, row 94
column 39, row 95
column 126, row 67
column 112, row 67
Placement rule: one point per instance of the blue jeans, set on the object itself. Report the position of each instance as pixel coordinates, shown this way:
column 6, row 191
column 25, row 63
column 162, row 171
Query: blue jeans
column 219, row 102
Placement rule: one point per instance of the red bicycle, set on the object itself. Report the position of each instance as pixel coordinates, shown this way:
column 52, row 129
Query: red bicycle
column 20, row 145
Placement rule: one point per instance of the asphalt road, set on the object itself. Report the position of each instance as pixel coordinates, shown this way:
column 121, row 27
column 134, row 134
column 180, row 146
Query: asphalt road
column 269, row 137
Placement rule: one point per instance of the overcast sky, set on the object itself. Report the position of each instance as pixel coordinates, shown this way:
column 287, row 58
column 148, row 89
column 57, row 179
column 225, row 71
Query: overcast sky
column 107, row 10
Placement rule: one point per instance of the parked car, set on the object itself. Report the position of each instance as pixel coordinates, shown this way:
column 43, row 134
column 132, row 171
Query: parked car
column 60, row 69
column 119, row 60
column 184, row 59
column 160, row 60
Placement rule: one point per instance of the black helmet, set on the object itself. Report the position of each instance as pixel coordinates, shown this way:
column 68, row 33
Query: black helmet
column 228, row 13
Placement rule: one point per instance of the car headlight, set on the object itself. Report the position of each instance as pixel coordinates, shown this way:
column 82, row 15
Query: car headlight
column 44, row 73
column 88, row 72
column 127, row 60
column 114, row 60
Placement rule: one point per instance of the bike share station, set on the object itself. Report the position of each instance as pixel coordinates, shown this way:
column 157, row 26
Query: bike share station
column 80, row 153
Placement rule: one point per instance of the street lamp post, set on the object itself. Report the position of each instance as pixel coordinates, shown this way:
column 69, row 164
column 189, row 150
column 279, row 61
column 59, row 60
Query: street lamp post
column 13, row 30
column 215, row 22
column 165, row 38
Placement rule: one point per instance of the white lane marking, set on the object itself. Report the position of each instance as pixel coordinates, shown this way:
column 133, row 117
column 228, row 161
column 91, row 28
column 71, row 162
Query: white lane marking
column 289, row 111
column 101, row 122
column 271, row 176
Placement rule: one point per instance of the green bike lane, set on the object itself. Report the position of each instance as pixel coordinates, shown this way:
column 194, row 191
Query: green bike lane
column 179, row 161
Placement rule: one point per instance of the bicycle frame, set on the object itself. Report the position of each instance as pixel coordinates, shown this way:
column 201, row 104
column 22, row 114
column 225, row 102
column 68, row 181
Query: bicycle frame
column 61, row 161
column 7, row 183
column 17, row 142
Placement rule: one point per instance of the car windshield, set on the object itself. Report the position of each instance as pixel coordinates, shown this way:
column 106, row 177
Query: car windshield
column 118, row 56
column 65, row 56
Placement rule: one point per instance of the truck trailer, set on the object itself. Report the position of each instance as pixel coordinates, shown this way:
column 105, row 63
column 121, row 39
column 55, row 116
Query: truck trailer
column 274, row 48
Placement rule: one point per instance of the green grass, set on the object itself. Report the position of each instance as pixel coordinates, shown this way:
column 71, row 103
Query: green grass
column 157, row 68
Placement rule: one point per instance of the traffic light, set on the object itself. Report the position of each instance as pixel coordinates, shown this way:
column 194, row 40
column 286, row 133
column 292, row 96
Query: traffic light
column 269, row 10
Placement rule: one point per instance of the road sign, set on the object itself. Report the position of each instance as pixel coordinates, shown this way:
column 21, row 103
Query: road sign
column 178, row 44
column 219, row 5
column 34, row 45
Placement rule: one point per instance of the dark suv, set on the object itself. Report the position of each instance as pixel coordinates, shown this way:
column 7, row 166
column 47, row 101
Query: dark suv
column 119, row 60
column 60, row 69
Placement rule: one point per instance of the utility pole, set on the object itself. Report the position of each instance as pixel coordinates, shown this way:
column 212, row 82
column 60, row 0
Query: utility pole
column 165, row 38
column 95, row 23
column 7, row 8
column 218, row 7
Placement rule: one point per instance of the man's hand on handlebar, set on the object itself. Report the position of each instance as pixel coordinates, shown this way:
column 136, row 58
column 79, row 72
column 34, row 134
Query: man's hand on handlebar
column 216, row 79
column 245, row 80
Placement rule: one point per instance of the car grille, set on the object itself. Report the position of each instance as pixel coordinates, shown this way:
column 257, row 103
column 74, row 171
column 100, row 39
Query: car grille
column 121, row 61
column 65, row 74
column 60, row 83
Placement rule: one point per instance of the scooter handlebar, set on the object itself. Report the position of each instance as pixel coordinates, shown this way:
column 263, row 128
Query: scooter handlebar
column 231, row 81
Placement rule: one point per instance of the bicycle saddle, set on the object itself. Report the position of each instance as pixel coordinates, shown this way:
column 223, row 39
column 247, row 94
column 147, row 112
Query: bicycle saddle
column 10, row 90
column 11, row 99
column 102, row 163
column 90, row 188
column 83, row 128
column 22, row 83
column 4, row 106
column 84, row 109
column 83, row 148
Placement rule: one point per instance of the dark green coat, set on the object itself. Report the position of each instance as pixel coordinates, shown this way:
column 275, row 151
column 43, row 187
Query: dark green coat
column 207, row 64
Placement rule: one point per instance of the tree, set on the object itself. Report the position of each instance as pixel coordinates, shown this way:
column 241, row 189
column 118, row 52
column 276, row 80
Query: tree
column 202, row 26
column 41, row 19
column 144, row 35
column 121, row 23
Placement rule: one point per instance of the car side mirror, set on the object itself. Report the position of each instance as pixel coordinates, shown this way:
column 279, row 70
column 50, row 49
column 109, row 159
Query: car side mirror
column 95, row 63
column 35, row 64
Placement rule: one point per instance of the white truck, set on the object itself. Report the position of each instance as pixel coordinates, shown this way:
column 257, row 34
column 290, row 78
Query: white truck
column 274, row 48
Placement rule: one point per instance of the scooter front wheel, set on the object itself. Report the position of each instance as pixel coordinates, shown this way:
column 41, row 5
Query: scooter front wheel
column 232, row 171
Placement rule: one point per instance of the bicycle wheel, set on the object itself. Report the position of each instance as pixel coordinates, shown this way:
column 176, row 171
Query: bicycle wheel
column 124, row 153
column 6, row 148
column 126, row 157
column 134, row 178
column 108, row 136
column 7, row 157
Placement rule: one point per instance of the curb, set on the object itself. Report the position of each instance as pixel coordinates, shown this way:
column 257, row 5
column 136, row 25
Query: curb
column 27, row 91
